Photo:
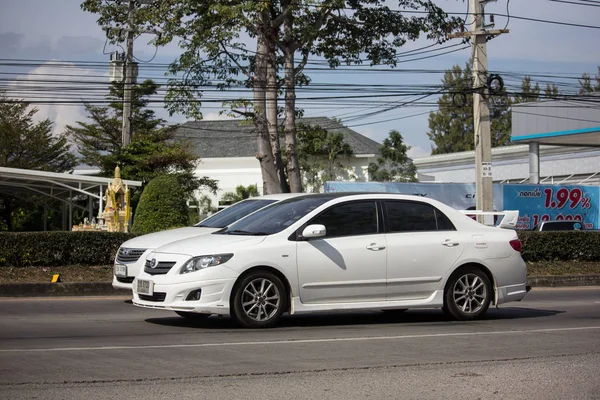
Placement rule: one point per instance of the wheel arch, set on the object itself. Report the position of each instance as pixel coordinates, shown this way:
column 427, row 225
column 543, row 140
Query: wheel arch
column 274, row 271
column 479, row 266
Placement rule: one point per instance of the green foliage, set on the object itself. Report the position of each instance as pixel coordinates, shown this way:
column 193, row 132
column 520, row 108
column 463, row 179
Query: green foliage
column 393, row 165
column 152, row 151
column 321, row 155
column 241, row 193
column 587, row 86
column 560, row 245
column 451, row 127
column 30, row 145
column 162, row 206
column 528, row 92
column 24, row 249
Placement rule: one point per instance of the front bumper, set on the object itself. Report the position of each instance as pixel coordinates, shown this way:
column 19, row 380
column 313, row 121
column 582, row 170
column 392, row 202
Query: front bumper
column 214, row 297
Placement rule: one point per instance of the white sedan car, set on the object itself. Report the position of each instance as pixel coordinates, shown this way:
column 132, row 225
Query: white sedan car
column 342, row 251
column 131, row 256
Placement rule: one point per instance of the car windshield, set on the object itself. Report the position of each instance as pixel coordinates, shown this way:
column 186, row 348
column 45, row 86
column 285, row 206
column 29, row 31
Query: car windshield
column 276, row 217
column 232, row 213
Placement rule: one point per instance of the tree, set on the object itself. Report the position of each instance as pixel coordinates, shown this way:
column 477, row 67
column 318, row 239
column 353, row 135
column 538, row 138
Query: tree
column 528, row 93
column 551, row 91
column 321, row 155
column 162, row 206
column 393, row 165
column 338, row 30
column 29, row 145
column 451, row 128
column 586, row 83
column 241, row 193
column 152, row 151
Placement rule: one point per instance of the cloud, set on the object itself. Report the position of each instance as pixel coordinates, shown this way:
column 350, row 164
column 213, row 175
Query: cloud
column 418, row 152
column 16, row 45
column 215, row 116
column 32, row 87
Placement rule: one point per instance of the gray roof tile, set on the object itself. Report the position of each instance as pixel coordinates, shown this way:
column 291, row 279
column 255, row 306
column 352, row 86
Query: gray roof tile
column 235, row 138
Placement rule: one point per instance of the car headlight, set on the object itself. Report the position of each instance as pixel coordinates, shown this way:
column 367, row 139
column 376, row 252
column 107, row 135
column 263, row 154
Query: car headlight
column 201, row 262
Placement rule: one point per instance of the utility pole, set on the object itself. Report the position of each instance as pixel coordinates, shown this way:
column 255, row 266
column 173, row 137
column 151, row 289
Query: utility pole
column 129, row 78
column 128, row 73
column 479, row 35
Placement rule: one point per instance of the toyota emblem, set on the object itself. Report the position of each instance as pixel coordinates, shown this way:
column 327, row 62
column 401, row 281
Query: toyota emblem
column 153, row 263
column 125, row 252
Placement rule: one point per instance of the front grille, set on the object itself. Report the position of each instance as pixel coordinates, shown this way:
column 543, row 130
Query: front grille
column 125, row 255
column 128, row 279
column 160, row 269
column 157, row 296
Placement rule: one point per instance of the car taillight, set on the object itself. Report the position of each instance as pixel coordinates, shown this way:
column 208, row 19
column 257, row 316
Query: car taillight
column 516, row 245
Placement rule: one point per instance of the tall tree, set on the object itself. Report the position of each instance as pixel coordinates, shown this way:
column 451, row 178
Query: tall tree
column 587, row 86
column 29, row 145
column 528, row 92
column 393, row 164
column 152, row 151
column 321, row 155
column 451, row 127
column 338, row 30
column 551, row 91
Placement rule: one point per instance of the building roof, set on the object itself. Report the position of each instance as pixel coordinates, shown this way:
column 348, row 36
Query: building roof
column 236, row 138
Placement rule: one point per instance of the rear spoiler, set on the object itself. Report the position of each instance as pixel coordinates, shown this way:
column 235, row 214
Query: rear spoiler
column 509, row 219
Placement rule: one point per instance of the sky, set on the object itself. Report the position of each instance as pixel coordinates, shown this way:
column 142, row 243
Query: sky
column 58, row 31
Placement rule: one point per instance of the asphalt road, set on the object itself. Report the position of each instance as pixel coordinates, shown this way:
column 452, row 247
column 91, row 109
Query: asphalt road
column 545, row 347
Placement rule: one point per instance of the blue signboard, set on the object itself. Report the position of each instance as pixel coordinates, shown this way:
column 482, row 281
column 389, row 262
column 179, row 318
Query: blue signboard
column 537, row 203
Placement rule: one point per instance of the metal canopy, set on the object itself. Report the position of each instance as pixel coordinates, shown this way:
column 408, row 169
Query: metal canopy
column 58, row 186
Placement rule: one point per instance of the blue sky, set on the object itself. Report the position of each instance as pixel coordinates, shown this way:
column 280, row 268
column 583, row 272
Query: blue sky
column 60, row 30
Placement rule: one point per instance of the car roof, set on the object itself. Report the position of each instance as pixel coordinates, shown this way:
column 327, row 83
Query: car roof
column 277, row 196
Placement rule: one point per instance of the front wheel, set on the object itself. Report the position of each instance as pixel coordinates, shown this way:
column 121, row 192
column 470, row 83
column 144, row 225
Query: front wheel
column 259, row 300
column 468, row 294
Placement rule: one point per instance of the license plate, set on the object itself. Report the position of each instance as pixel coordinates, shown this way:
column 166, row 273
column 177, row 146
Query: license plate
column 145, row 287
column 120, row 270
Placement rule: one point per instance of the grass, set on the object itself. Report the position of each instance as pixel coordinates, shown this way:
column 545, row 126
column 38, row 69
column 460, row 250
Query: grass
column 104, row 273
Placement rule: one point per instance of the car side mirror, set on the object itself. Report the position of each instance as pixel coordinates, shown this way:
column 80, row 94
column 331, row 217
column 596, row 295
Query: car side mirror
column 314, row 231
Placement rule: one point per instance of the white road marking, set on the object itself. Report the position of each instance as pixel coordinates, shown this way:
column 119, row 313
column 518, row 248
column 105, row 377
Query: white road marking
column 300, row 341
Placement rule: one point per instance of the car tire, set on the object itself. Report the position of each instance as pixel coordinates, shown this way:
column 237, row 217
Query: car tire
column 468, row 294
column 192, row 316
column 259, row 300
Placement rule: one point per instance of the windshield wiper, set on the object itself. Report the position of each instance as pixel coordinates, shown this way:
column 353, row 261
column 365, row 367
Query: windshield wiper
column 242, row 232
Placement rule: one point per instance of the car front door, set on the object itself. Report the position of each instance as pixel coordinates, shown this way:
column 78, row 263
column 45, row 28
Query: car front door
column 422, row 245
column 349, row 263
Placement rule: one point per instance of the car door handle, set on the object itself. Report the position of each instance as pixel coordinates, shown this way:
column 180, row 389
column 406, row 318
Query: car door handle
column 450, row 243
column 375, row 247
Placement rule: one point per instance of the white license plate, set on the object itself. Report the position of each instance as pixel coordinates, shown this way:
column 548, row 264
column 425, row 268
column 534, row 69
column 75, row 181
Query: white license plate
column 120, row 270
column 145, row 287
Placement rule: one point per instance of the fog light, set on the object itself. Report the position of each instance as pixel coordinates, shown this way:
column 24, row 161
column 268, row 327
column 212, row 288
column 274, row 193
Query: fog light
column 194, row 295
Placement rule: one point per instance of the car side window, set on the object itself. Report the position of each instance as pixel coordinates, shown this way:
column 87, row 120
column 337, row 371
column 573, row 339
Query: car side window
column 408, row 216
column 349, row 219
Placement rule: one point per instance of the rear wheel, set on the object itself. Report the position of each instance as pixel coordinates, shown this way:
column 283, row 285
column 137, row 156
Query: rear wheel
column 468, row 294
column 192, row 316
column 259, row 300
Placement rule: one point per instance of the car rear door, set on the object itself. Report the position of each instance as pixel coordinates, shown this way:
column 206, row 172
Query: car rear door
column 422, row 245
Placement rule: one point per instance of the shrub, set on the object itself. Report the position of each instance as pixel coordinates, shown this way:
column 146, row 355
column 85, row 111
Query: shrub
column 560, row 245
column 162, row 206
column 23, row 249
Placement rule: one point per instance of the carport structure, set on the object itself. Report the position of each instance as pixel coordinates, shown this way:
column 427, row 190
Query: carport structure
column 570, row 122
column 21, row 183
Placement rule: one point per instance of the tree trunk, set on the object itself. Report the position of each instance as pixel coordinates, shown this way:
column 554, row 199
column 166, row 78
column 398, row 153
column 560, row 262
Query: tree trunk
column 265, row 151
column 272, row 116
column 293, row 168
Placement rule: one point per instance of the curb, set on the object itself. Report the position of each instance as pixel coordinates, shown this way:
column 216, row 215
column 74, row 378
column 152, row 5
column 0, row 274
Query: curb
column 106, row 288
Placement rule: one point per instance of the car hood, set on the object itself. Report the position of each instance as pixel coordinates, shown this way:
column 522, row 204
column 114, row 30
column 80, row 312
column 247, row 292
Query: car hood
column 209, row 244
column 157, row 239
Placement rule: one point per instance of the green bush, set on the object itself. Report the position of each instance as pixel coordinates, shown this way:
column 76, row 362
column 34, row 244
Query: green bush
column 24, row 249
column 162, row 206
column 560, row 245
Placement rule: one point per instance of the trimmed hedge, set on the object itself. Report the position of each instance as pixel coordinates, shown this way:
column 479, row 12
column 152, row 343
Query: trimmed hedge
column 99, row 248
column 56, row 248
column 560, row 245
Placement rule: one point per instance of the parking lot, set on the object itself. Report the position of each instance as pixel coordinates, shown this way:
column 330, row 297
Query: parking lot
column 546, row 346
